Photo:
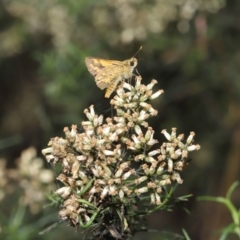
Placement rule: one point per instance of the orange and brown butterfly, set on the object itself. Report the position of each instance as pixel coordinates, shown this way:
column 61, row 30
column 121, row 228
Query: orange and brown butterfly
column 108, row 73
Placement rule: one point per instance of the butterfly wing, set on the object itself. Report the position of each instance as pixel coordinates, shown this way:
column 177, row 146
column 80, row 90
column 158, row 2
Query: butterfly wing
column 95, row 65
column 107, row 73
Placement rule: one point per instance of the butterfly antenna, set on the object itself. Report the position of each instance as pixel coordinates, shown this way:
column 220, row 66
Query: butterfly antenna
column 137, row 51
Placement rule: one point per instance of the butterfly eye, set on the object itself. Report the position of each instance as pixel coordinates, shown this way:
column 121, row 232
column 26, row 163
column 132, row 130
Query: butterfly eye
column 132, row 63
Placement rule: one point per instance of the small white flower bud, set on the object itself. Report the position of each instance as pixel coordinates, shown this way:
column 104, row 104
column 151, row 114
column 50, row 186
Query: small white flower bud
column 152, row 198
column 121, row 194
column 138, row 129
column 140, row 180
column 81, row 158
column 118, row 173
column 150, row 85
column 154, row 152
column 166, row 134
column 128, row 174
column 193, row 147
column 156, row 94
column 173, row 134
column 108, row 152
column 64, row 191
column 47, row 150
column 127, row 86
column 141, row 190
column 170, row 165
column 104, row 192
column 158, row 199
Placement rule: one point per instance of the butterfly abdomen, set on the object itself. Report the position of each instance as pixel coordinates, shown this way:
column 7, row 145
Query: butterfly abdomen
column 112, row 87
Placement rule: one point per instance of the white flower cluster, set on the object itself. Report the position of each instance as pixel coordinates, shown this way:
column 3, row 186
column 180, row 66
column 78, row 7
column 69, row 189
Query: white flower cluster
column 116, row 159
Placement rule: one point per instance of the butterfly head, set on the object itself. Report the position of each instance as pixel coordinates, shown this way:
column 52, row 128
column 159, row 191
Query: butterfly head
column 132, row 62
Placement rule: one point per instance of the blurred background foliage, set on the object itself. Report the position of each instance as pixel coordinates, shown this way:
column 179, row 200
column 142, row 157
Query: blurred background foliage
column 191, row 47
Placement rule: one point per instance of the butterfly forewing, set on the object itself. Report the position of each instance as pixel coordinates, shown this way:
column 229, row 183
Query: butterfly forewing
column 94, row 65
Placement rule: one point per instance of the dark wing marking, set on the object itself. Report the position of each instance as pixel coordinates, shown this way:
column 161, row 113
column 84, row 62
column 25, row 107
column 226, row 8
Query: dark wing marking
column 93, row 65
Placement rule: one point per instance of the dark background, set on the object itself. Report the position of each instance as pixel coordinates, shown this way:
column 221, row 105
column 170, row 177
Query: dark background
column 193, row 50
